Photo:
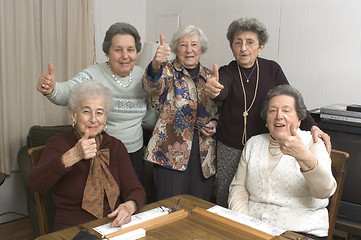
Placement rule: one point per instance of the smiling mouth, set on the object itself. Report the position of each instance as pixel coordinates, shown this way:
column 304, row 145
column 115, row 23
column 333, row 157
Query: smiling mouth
column 279, row 125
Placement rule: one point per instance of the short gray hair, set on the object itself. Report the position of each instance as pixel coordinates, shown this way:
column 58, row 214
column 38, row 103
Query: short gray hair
column 89, row 89
column 287, row 90
column 124, row 29
column 245, row 25
column 188, row 30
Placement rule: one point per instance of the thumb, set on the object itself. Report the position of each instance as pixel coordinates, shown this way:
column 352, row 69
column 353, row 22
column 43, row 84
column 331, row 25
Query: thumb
column 162, row 40
column 112, row 214
column 215, row 71
column 86, row 135
column 51, row 68
column 293, row 130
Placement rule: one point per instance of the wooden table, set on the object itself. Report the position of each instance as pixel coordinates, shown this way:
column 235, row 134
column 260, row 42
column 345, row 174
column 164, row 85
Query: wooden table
column 192, row 227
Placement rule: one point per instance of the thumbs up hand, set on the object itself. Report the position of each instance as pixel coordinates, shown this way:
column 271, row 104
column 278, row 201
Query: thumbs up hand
column 46, row 82
column 213, row 87
column 161, row 55
column 292, row 144
column 85, row 148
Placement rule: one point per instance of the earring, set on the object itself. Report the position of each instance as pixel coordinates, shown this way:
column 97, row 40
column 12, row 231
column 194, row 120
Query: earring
column 266, row 125
column 74, row 125
column 106, row 128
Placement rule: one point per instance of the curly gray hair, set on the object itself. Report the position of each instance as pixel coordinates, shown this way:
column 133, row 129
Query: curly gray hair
column 247, row 24
column 90, row 89
column 188, row 30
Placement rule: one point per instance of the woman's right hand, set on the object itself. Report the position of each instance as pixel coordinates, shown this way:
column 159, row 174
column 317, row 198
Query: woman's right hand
column 85, row 148
column 161, row 55
column 46, row 82
column 213, row 87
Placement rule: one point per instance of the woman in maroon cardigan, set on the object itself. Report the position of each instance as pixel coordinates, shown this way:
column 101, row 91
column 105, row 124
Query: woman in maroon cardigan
column 90, row 171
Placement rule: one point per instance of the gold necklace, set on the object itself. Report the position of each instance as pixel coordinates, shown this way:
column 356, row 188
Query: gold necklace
column 245, row 113
column 247, row 78
column 273, row 154
column 274, row 145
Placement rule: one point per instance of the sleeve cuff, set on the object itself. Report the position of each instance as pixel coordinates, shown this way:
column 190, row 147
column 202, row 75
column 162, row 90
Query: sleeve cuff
column 53, row 94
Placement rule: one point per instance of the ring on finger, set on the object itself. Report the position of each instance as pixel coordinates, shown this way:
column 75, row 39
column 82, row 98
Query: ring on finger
column 43, row 85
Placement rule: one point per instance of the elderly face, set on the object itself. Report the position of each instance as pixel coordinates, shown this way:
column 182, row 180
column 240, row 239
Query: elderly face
column 122, row 54
column 281, row 116
column 90, row 115
column 246, row 49
column 189, row 50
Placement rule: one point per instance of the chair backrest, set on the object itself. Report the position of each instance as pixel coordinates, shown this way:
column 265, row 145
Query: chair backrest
column 35, row 154
column 339, row 166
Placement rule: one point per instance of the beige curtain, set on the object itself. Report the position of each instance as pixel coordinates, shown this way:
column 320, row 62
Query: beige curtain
column 33, row 33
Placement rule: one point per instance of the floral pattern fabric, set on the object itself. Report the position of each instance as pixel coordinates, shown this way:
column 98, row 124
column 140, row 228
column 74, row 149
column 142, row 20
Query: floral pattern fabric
column 183, row 104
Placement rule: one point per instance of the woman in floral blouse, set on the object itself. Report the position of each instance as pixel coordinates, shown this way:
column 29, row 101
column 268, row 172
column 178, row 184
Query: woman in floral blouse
column 182, row 146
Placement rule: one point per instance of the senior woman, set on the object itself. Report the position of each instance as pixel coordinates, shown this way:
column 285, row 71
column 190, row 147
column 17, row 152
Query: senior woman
column 182, row 146
column 121, row 45
column 284, row 178
column 90, row 171
column 242, row 85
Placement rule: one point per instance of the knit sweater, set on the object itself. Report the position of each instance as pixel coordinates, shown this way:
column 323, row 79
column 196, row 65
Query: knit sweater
column 69, row 183
column 284, row 197
column 131, row 104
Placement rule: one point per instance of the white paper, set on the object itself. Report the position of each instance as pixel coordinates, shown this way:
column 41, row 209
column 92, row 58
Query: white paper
column 137, row 218
column 246, row 220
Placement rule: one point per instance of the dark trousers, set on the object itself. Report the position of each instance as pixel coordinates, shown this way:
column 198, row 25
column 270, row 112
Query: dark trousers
column 170, row 182
column 137, row 159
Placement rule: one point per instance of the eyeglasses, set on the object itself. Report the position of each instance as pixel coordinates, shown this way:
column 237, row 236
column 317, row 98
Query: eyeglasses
column 199, row 124
column 248, row 43
column 173, row 209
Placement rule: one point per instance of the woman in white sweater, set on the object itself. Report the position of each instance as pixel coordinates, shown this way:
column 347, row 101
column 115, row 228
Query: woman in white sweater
column 283, row 177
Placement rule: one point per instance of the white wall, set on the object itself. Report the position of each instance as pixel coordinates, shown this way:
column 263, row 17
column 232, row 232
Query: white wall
column 12, row 198
column 107, row 12
column 317, row 43
column 320, row 49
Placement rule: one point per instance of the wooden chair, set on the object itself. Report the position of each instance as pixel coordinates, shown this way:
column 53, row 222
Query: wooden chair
column 34, row 154
column 339, row 166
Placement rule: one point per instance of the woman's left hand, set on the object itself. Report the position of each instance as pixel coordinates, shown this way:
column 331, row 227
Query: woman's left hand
column 318, row 133
column 123, row 213
column 293, row 145
column 209, row 129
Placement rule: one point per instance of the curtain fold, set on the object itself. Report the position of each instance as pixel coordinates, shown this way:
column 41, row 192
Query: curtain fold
column 33, row 33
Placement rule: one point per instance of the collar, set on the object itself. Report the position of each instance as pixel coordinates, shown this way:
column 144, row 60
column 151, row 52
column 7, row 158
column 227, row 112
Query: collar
column 177, row 65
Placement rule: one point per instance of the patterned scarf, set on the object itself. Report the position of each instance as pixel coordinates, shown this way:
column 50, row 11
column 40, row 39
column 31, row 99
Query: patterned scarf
column 99, row 181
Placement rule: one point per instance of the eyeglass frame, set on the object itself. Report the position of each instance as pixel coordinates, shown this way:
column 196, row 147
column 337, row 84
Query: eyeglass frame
column 173, row 209
column 247, row 43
